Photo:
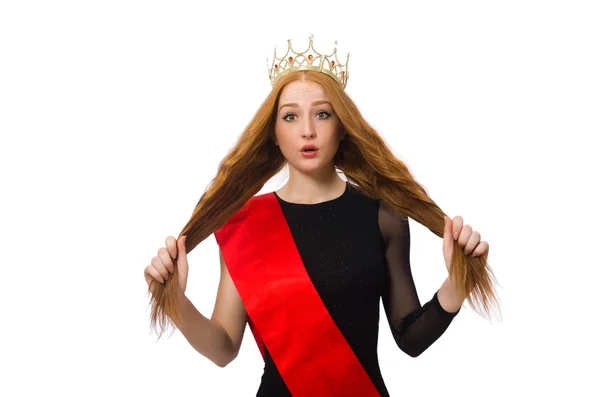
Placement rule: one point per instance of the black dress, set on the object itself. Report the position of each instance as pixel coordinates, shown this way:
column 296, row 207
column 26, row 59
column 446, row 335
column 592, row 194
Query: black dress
column 356, row 252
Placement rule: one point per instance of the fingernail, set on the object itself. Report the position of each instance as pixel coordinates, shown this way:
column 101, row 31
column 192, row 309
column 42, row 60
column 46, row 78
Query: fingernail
column 455, row 235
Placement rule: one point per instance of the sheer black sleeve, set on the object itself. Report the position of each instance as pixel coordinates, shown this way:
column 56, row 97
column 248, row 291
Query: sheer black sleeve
column 413, row 326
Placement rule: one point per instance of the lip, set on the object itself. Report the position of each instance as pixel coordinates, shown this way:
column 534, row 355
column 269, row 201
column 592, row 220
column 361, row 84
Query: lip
column 309, row 147
column 309, row 154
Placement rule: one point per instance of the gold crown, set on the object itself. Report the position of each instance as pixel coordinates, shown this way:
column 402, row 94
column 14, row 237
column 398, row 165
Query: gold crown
column 308, row 59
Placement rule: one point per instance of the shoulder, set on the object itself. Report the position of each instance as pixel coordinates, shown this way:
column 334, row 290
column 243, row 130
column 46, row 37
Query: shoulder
column 392, row 223
column 256, row 205
column 257, row 200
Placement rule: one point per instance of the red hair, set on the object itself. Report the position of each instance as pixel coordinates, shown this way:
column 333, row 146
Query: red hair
column 364, row 159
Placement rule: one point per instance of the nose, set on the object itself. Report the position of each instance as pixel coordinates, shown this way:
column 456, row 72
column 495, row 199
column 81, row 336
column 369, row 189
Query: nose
column 309, row 128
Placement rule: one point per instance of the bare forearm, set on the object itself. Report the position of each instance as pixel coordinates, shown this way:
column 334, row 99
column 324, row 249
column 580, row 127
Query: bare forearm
column 205, row 335
column 450, row 299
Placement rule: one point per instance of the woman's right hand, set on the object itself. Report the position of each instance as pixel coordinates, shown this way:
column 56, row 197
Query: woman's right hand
column 162, row 266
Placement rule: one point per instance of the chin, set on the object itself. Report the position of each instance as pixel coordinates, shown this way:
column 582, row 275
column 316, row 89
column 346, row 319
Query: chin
column 306, row 167
column 309, row 166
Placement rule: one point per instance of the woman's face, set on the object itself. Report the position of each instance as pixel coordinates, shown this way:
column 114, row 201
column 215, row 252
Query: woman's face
column 305, row 117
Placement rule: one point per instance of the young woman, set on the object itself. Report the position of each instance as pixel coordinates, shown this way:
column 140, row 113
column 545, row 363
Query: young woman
column 307, row 265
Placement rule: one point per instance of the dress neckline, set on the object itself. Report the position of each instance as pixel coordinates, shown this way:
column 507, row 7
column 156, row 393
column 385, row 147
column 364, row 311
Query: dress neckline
column 322, row 203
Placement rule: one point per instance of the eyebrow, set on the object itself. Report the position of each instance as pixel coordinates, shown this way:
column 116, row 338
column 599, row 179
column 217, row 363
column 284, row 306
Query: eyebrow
column 295, row 105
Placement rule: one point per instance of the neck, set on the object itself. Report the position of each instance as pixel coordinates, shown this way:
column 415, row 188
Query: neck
column 312, row 188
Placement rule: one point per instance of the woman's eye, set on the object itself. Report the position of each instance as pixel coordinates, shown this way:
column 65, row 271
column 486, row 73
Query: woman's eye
column 289, row 117
column 323, row 114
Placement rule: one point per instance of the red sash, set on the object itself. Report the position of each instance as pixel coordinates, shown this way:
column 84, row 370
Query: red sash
column 284, row 309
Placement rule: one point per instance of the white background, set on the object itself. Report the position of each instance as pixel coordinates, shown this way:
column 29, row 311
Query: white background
column 114, row 116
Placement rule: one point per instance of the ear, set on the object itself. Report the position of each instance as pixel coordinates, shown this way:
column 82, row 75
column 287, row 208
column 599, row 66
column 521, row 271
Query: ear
column 342, row 131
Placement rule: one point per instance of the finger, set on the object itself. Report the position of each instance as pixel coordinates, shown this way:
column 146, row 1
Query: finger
column 472, row 243
column 152, row 273
column 166, row 259
column 448, row 240
column 481, row 249
column 171, row 245
column 181, row 251
column 158, row 265
column 457, row 223
column 464, row 235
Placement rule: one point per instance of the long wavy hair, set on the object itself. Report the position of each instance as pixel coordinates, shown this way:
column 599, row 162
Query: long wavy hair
column 364, row 159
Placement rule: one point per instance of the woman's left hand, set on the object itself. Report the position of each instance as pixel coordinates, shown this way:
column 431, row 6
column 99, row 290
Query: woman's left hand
column 468, row 240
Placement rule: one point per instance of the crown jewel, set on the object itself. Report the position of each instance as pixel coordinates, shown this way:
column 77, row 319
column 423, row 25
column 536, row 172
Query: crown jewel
column 309, row 59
